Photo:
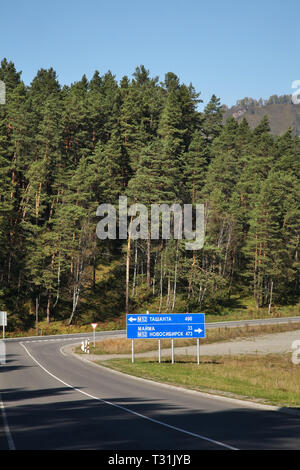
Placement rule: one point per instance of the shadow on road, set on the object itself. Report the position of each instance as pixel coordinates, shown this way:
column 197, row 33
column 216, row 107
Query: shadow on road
column 42, row 415
column 59, row 418
column 11, row 359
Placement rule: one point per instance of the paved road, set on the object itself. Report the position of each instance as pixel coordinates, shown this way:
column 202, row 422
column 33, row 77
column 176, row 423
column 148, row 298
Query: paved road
column 53, row 401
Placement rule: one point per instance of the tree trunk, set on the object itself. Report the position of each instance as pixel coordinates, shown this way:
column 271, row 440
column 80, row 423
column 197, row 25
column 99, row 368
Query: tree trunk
column 227, row 248
column 190, row 287
column 37, row 315
column 231, row 274
column 134, row 270
column 175, row 278
column 271, row 295
column 94, row 273
column 148, row 261
column 76, row 289
column 255, row 281
column 168, row 295
column 48, row 307
column 154, row 276
column 161, row 282
column 201, row 295
column 76, row 293
column 58, row 284
column 127, row 269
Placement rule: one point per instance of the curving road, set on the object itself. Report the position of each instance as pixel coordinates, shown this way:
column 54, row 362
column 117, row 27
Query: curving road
column 50, row 400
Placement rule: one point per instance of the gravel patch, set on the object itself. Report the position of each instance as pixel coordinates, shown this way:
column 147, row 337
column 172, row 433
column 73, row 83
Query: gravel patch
column 274, row 343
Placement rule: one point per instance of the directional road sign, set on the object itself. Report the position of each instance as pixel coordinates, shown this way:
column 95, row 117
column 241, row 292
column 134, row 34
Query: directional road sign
column 171, row 326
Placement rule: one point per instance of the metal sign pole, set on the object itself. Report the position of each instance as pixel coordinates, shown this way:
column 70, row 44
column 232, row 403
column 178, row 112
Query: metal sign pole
column 159, row 352
column 3, row 322
column 172, row 351
column 132, row 351
column 94, row 326
column 198, row 351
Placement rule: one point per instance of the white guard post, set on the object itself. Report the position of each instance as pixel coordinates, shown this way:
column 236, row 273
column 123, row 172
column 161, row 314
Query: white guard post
column 85, row 346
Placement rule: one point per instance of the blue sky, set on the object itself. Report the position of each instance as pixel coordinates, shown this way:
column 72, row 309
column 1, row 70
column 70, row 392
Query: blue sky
column 231, row 48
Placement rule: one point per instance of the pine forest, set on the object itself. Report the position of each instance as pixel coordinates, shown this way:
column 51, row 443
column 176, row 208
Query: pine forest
column 64, row 150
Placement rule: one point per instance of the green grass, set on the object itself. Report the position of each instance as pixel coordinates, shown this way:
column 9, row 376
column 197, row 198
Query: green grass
column 271, row 379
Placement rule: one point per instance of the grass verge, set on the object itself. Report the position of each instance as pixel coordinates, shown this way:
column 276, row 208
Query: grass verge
column 271, row 379
column 123, row 345
column 239, row 309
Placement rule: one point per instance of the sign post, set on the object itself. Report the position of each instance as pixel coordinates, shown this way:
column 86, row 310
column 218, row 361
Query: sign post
column 168, row 326
column 3, row 321
column 94, row 325
column 172, row 351
column 2, row 352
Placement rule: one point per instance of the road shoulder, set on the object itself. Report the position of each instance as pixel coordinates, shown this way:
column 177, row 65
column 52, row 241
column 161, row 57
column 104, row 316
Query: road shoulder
column 215, row 394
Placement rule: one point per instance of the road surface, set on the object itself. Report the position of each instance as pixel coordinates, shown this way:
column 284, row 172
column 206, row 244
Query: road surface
column 49, row 400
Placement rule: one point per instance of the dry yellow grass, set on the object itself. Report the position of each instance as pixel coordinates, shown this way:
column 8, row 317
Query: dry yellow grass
column 123, row 345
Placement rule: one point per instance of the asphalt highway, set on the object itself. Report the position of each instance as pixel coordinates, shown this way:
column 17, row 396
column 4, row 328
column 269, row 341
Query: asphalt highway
column 50, row 400
column 220, row 324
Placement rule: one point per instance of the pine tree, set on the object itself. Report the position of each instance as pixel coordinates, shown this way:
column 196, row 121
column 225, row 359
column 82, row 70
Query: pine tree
column 213, row 119
column 195, row 168
column 265, row 246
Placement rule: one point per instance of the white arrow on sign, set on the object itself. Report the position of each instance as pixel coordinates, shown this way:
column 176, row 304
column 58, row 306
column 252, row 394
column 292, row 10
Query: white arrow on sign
column 131, row 319
column 198, row 331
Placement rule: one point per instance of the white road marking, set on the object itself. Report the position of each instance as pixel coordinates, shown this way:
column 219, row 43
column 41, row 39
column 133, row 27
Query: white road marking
column 11, row 444
column 184, row 431
column 62, row 352
column 48, row 340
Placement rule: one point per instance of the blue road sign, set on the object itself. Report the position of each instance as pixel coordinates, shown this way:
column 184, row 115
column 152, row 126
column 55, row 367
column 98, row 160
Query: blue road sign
column 159, row 326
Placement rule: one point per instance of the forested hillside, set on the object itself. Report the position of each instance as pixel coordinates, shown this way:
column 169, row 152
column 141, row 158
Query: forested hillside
column 65, row 150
